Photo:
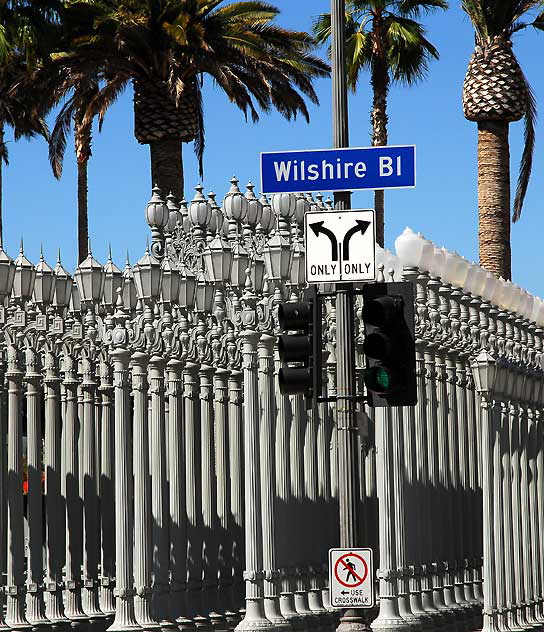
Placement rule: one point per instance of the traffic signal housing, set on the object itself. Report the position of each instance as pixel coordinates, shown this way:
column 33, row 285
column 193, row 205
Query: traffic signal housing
column 389, row 345
column 300, row 349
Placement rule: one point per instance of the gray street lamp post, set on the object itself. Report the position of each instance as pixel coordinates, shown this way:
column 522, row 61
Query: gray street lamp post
column 348, row 484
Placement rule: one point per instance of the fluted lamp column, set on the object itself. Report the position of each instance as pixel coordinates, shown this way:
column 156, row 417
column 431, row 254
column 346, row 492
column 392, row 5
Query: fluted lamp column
column 143, row 544
column 484, row 369
column 255, row 617
column 124, row 517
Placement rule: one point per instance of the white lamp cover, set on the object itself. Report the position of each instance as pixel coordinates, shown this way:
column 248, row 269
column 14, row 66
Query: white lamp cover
column 235, row 205
column 284, row 205
column 44, row 283
column 409, row 248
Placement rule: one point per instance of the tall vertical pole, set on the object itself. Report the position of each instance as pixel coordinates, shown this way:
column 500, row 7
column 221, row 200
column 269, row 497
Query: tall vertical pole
column 348, row 484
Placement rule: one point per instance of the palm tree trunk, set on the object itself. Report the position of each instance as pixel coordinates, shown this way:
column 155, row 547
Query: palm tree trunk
column 83, row 140
column 494, row 197
column 380, row 88
column 82, row 212
column 167, row 166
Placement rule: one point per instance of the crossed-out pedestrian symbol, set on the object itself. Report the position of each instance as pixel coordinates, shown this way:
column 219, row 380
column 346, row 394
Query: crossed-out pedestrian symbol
column 350, row 570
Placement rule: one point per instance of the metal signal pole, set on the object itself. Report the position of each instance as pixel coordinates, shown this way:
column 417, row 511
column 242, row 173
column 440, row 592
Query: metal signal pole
column 348, row 471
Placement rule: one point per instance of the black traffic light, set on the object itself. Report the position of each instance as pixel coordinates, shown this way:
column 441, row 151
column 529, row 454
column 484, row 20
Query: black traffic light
column 389, row 346
column 301, row 347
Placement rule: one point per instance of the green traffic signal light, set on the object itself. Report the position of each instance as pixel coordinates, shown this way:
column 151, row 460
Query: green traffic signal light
column 379, row 379
column 389, row 345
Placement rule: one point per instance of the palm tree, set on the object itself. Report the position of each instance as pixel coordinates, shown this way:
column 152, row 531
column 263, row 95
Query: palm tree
column 82, row 90
column 384, row 37
column 496, row 93
column 24, row 37
column 74, row 91
column 165, row 48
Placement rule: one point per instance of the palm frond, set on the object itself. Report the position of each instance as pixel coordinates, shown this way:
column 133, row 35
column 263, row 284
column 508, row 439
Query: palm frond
column 57, row 142
column 409, row 52
column 526, row 164
column 538, row 22
column 4, row 152
column 200, row 143
column 416, row 8
column 496, row 18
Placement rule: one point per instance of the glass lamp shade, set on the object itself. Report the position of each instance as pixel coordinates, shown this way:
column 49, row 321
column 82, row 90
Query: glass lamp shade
column 519, row 380
column 63, row 286
column 498, row 293
column 254, row 207
column 200, row 210
column 501, row 376
column 218, row 260
column 515, row 298
column 475, row 281
column 7, row 273
column 89, row 276
column 277, row 258
column 522, row 302
column 226, row 228
column 427, row 254
column 284, row 205
column 268, row 218
column 528, row 387
column 240, row 263
column 216, row 220
column 538, row 385
column 156, row 211
column 205, row 292
column 174, row 216
column 298, row 265
column 75, row 299
column 185, row 222
column 130, row 297
column 490, row 285
column 535, row 310
column 455, row 269
column 537, row 313
column 506, row 295
column 170, row 279
column 437, row 263
column 147, row 277
column 412, row 249
column 44, row 283
column 187, row 289
column 235, row 204
column 484, row 369
column 256, row 274
column 529, row 306
column 23, row 280
column 392, row 263
column 113, row 280
column 534, row 393
column 302, row 206
column 525, row 304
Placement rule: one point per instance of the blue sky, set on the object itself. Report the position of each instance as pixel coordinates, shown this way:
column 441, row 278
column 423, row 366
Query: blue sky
column 443, row 206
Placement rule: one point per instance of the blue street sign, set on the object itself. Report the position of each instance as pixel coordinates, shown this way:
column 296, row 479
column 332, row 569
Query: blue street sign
column 348, row 169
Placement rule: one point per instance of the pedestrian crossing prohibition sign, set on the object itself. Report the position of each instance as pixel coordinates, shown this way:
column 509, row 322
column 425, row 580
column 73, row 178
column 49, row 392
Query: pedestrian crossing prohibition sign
column 351, row 578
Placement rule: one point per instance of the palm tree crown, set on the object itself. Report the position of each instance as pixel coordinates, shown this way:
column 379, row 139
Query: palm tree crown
column 496, row 93
column 166, row 47
column 26, row 32
column 384, row 37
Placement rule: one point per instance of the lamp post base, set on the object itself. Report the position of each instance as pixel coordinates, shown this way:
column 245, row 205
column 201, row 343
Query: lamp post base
column 353, row 620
